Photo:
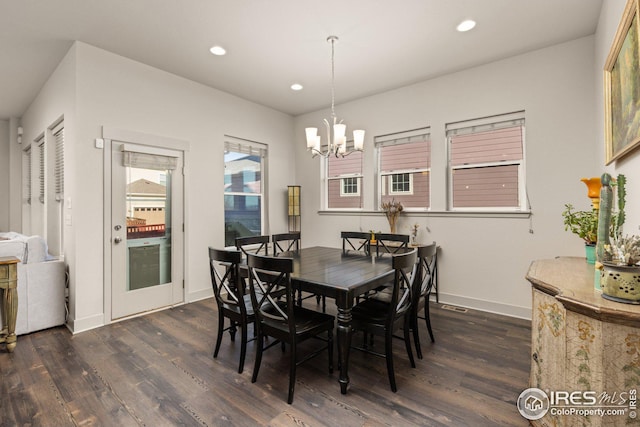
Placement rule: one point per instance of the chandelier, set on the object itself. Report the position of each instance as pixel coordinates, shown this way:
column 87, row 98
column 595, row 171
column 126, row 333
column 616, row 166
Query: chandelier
column 336, row 140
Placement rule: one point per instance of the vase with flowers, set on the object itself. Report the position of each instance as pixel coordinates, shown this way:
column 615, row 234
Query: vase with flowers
column 392, row 210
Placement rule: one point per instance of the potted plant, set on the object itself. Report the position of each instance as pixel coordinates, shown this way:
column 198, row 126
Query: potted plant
column 620, row 276
column 584, row 224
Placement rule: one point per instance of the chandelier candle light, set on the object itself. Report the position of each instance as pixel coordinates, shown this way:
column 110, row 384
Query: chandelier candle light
column 336, row 143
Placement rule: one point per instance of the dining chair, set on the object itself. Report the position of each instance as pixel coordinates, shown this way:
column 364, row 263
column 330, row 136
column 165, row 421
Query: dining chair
column 253, row 244
column 423, row 285
column 383, row 318
column 391, row 243
column 284, row 242
column 281, row 318
column 356, row 240
column 231, row 299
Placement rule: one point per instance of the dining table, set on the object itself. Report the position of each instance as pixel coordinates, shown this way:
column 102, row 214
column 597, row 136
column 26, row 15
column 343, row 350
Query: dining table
column 342, row 276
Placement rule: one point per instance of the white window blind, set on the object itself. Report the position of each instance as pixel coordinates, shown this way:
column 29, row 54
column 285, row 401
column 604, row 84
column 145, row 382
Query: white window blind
column 148, row 161
column 26, row 175
column 58, row 135
column 41, row 174
column 486, row 162
column 404, row 166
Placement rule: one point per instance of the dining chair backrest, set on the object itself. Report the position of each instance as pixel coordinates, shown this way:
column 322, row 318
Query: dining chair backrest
column 427, row 269
column 268, row 277
column 356, row 240
column 226, row 286
column 285, row 242
column 405, row 267
column 391, row 243
column 253, row 244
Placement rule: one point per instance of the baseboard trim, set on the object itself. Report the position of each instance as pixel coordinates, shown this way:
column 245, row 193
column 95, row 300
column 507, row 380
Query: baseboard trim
column 485, row 305
column 80, row 325
column 199, row 295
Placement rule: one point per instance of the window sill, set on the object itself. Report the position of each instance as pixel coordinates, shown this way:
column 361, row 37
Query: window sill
column 441, row 214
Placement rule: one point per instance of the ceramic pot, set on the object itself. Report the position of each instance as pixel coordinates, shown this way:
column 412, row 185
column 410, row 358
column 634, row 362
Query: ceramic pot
column 590, row 251
column 620, row 282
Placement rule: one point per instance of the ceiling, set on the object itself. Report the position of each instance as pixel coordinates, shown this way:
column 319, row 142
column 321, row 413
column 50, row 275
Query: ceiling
column 272, row 44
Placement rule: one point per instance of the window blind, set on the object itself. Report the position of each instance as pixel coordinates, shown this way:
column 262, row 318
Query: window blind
column 26, row 177
column 58, row 135
column 41, row 176
column 244, row 146
column 149, row 161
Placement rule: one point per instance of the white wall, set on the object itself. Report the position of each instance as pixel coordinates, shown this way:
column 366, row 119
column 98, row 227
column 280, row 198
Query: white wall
column 4, row 175
column 484, row 259
column 629, row 165
column 116, row 92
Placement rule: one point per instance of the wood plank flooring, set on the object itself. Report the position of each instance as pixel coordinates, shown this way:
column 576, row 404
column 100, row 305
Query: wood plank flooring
column 158, row 370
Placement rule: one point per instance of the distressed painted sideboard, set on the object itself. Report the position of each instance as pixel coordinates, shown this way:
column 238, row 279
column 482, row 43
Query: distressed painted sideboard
column 581, row 341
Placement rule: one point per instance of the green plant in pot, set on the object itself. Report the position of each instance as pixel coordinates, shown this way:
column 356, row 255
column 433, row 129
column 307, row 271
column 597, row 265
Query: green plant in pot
column 583, row 224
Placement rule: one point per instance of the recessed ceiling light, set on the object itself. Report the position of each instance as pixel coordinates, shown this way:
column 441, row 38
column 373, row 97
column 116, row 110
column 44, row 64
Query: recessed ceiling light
column 466, row 25
column 218, row 50
column 296, row 86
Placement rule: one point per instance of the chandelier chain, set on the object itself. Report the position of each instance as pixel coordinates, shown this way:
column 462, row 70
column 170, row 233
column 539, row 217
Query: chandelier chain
column 333, row 77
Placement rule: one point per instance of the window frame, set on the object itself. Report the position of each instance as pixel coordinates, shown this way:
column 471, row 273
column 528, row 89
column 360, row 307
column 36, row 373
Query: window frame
column 422, row 134
column 245, row 146
column 393, row 192
column 355, row 183
column 326, row 179
column 474, row 126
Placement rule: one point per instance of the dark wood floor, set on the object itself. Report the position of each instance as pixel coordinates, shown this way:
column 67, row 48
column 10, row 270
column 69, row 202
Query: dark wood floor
column 158, row 370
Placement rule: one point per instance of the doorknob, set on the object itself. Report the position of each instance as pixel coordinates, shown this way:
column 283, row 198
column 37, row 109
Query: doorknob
column 117, row 239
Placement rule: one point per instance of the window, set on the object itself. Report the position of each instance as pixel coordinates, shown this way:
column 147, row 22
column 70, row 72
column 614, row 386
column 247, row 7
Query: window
column 404, row 165
column 344, row 181
column 244, row 172
column 486, row 163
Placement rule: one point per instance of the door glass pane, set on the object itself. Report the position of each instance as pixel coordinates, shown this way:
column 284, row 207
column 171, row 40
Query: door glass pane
column 148, row 202
column 242, row 196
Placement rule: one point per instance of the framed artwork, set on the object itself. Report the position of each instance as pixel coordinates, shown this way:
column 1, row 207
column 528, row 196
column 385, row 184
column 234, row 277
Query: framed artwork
column 622, row 87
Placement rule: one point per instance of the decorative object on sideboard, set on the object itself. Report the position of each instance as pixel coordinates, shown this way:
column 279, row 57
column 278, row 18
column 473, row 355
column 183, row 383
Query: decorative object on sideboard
column 583, row 224
column 336, row 130
column 620, row 275
column 618, row 256
column 392, row 211
column 593, row 190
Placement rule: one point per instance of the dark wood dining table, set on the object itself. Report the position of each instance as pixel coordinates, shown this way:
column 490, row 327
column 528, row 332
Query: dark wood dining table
column 342, row 276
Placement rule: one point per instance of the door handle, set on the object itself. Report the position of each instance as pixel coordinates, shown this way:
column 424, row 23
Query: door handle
column 117, row 240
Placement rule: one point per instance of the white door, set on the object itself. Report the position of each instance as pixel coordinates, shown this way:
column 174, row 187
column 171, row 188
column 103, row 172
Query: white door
column 146, row 228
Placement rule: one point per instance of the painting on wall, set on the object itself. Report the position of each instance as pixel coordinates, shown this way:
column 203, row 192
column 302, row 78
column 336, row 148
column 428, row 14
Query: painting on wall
column 622, row 87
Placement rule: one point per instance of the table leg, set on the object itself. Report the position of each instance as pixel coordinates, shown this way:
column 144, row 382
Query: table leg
column 344, row 343
column 10, row 301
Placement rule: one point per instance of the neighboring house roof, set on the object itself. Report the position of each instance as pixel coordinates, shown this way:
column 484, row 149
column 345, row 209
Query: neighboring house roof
column 144, row 186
